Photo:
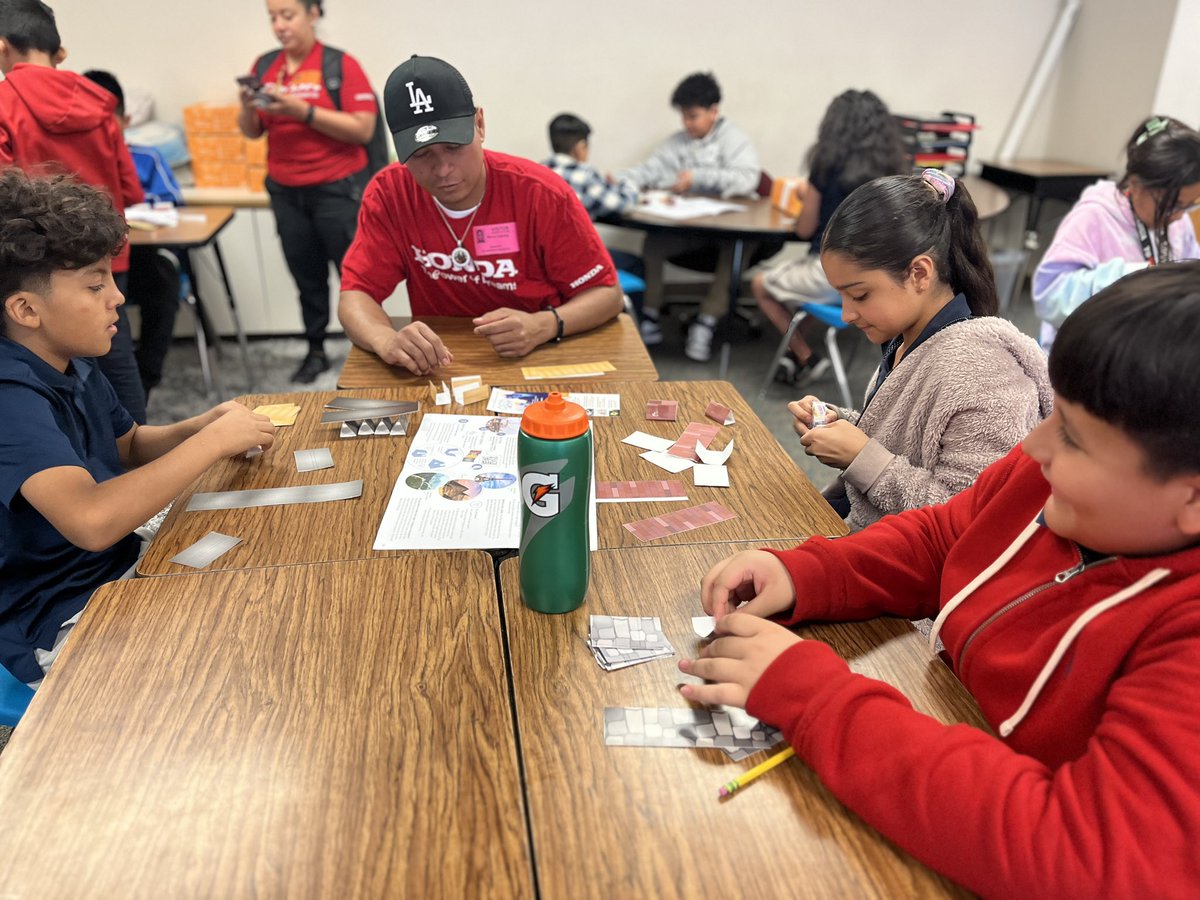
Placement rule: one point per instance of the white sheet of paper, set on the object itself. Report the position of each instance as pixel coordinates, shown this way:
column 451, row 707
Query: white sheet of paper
column 686, row 207
column 703, row 625
column 673, row 464
column 649, row 442
column 714, row 457
column 710, row 476
column 442, row 398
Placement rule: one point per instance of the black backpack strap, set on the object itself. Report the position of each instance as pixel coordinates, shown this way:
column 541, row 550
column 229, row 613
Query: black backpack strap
column 264, row 62
column 331, row 72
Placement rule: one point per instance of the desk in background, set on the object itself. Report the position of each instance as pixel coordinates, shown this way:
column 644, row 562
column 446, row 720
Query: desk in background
column 198, row 228
column 758, row 220
column 772, row 497
column 613, row 821
column 323, row 731
column 617, row 341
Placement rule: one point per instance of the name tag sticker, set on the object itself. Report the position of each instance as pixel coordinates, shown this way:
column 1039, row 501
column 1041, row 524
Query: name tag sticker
column 491, row 240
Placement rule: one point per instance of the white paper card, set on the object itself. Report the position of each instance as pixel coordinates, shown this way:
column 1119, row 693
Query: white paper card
column 703, row 625
column 205, row 550
column 649, row 442
column 710, row 476
column 666, row 461
column 714, row 457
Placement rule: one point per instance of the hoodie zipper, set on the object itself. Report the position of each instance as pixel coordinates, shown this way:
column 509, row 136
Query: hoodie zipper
column 1061, row 578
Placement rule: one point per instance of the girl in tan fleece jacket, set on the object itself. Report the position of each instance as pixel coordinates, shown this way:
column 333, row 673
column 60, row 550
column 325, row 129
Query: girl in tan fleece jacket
column 957, row 387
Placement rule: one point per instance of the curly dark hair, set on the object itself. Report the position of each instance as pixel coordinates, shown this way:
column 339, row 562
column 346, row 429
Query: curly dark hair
column 1164, row 156
column 858, row 140
column 51, row 224
column 698, row 89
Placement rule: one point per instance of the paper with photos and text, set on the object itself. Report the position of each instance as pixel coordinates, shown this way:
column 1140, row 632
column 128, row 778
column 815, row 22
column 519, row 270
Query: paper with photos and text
column 458, row 489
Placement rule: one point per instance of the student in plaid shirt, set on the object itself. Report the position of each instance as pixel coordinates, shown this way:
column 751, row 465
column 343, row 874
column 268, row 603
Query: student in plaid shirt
column 599, row 195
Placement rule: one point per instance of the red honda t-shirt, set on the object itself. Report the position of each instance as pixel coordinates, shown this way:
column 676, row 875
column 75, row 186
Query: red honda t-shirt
column 297, row 154
column 531, row 242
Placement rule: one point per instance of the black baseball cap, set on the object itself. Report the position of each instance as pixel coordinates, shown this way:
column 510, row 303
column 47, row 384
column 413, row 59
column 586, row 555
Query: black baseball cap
column 427, row 101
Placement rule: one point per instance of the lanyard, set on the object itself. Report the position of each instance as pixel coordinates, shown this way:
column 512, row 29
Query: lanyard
column 1143, row 236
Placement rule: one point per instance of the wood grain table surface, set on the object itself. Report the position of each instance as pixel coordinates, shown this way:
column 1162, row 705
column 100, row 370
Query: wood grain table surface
column 771, row 496
column 618, row 342
column 197, row 226
column 646, row 822
column 338, row 730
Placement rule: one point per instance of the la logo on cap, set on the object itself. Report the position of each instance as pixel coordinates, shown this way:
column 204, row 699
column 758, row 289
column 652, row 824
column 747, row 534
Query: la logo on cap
column 419, row 101
column 425, row 133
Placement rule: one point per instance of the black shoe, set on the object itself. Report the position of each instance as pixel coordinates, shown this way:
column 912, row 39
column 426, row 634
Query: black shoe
column 785, row 371
column 314, row 364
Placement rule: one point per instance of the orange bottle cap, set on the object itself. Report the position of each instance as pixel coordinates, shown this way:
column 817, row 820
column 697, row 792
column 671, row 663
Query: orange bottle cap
column 554, row 418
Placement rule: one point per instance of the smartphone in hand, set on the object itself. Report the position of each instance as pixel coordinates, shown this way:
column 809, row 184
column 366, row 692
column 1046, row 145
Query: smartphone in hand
column 254, row 84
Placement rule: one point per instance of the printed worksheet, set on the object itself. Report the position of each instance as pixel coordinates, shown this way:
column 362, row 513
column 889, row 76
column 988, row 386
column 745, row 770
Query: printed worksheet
column 458, row 488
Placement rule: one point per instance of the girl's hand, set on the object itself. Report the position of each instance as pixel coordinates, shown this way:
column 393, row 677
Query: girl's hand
column 744, row 649
column 835, row 444
column 801, row 411
column 754, row 578
column 283, row 104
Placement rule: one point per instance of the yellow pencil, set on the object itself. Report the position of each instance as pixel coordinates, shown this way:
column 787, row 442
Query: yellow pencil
column 728, row 789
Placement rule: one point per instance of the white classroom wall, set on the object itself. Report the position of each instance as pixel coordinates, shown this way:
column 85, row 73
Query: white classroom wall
column 615, row 63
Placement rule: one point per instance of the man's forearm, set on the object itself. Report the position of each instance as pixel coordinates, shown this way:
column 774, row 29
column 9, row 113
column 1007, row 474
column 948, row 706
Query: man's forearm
column 364, row 320
column 591, row 309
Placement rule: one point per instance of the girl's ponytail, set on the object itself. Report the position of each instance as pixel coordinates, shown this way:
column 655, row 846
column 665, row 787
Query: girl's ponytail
column 888, row 222
column 968, row 268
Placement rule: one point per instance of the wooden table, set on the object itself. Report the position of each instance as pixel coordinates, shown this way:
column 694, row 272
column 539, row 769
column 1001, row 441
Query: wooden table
column 316, row 731
column 617, row 341
column 772, row 497
column 198, row 228
column 758, row 220
column 611, row 822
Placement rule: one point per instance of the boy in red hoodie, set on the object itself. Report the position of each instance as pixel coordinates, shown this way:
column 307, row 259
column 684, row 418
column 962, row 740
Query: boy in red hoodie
column 1065, row 586
column 59, row 122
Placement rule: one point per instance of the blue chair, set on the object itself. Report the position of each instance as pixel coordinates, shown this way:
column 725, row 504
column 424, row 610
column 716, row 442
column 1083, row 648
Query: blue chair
column 829, row 314
column 14, row 697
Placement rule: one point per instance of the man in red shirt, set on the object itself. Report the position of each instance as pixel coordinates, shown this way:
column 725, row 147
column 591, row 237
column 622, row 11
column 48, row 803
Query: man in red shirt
column 473, row 232
column 60, row 122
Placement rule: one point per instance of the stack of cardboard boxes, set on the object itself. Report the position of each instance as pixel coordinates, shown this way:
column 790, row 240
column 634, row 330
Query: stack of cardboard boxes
column 221, row 156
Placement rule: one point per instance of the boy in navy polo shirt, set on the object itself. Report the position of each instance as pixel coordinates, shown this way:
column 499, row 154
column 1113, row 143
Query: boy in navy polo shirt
column 76, row 474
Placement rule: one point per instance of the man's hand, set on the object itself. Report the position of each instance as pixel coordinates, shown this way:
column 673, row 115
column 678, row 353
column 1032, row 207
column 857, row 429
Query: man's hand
column 417, row 348
column 683, row 183
column 835, row 444
column 514, row 333
column 235, row 429
column 744, row 649
column 754, row 578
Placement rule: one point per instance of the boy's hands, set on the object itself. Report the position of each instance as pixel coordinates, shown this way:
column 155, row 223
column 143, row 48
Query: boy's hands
column 754, row 578
column 233, row 429
column 745, row 647
column 801, row 411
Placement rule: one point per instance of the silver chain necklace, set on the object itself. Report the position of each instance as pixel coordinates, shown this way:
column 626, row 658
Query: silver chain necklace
column 460, row 255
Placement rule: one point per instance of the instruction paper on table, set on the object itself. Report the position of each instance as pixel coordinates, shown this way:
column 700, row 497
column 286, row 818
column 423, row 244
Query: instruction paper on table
column 458, row 488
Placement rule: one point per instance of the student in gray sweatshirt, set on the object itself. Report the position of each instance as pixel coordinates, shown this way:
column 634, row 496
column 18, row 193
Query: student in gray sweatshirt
column 711, row 155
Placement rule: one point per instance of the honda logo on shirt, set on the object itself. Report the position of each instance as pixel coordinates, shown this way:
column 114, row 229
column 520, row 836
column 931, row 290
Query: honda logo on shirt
column 418, row 99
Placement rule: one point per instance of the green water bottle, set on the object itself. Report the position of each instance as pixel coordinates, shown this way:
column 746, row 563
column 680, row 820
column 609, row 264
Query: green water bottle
column 554, row 456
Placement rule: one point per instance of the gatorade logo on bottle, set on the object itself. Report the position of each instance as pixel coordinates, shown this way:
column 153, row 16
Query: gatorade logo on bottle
column 540, row 492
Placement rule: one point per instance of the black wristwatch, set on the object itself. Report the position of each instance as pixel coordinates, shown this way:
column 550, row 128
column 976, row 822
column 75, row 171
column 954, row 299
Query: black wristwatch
column 557, row 318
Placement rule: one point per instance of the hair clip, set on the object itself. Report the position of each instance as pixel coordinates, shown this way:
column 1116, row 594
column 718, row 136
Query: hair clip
column 1152, row 127
column 942, row 183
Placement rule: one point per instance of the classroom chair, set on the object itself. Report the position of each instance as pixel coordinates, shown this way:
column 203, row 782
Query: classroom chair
column 829, row 314
column 14, row 698
column 187, row 297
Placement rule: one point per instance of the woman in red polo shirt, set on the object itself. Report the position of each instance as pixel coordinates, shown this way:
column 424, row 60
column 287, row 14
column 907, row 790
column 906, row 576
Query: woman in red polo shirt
column 316, row 160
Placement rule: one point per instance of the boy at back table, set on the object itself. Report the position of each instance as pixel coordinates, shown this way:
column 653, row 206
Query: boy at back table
column 1065, row 586
column 53, row 121
column 77, row 475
